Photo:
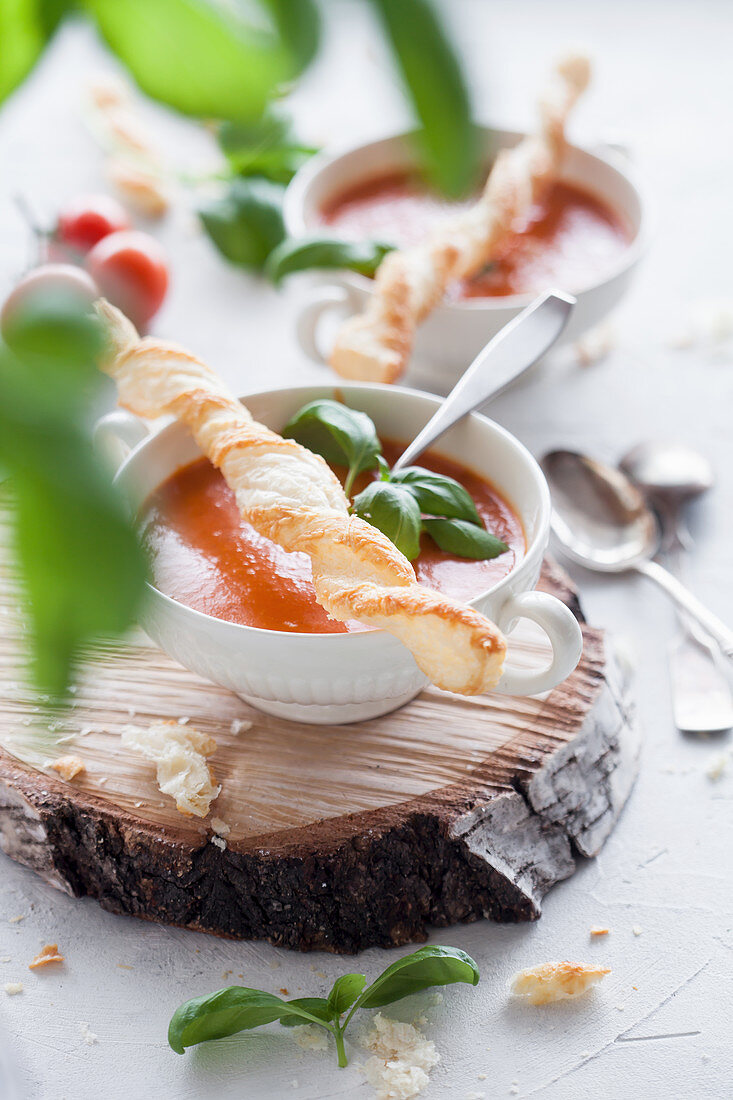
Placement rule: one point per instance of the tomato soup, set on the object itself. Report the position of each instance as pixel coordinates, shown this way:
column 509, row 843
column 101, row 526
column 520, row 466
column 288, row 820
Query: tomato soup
column 569, row 239
column 204, row 556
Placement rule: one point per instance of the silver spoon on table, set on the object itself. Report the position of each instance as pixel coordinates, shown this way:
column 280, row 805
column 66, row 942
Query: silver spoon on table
column 671, row 475
column 513, row 350
column 602, row 521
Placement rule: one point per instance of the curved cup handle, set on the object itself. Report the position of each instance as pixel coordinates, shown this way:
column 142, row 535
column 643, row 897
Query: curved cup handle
column 116, row 434
column 324, row 299
column 560, row 626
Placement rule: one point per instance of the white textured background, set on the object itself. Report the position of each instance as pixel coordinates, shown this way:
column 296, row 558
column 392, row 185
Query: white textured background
column 660, row 1024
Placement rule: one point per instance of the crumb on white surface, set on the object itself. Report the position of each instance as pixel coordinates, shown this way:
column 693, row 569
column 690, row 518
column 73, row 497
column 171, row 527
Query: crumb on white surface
column 718, row 766
column 239, row 725
column 46, row 956
column 482, row 1076
column 402, row 1059
column 555, row 981
column 4, row 958
column 637, row 930
column 595, row 345
column 13, row 988
column 310, row 1037
column 620, row 1008
column 275, row 964
column 17, row 919
column 599, row 930
column 88, row 1036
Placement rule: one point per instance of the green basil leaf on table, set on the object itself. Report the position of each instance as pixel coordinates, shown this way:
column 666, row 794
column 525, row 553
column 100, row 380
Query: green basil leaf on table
column 429, row 966
column 465, row 540
column 217, row 1015
column 202, row 57
column 316, row 1006
column 303, row 254
column 343, row 436
column 437, row 494
column 395, row 512
column 246, row 223
column 345, row 991
column 433, row 79
column 266, row 147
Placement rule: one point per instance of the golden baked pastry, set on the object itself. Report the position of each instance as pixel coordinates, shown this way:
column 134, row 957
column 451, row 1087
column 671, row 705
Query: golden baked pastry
column 557, row 981
column 375, row 346
column 290, row 495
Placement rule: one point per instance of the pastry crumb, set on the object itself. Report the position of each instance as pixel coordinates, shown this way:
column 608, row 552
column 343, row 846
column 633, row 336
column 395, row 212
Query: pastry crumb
column 402, row 1059
column 88, row 1036
column 68, row 767
column 47, row 955
column 220, row 827
column 637, row 930
column 180, row 758
column 219, row 842
column 717, row 767
column 310, row 1037
column 13, row 988
column 597, row 930
column 555, row 981
column 17, row 919
column 239, row 725
column 595, row 345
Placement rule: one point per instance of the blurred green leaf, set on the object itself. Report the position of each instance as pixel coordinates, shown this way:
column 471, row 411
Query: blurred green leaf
column 299, row 24
column 295, row 255
column 25, row 28
column 246, row 223
column 435, row 84
column 203, row 57
column 80, row 562
column 267, row 147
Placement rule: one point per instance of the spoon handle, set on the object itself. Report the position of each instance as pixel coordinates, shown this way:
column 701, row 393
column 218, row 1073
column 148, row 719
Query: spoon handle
column 690, row 604
column 511, row 352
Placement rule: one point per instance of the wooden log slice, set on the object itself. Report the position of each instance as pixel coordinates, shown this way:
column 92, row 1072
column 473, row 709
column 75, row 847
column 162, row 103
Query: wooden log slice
column 342, row 837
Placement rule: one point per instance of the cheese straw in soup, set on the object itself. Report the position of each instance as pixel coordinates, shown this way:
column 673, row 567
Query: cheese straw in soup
column 291, row 496
column 375, row 346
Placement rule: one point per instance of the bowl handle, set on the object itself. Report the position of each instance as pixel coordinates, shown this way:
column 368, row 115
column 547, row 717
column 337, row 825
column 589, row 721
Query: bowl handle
column 333, row 297
column 116, row 434
column 560, row 626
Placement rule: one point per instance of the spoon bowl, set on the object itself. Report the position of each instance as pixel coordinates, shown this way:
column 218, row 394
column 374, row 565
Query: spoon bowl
column 599, row 516
column 668, row 470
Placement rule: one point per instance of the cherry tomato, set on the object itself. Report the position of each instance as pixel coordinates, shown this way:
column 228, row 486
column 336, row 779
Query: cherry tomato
column 49, row 279
column 88, row 219
column 130, row 269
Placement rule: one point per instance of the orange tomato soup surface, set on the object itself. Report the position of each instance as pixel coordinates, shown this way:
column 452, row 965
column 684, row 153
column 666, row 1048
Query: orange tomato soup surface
column 206, row 557
column 569, row 239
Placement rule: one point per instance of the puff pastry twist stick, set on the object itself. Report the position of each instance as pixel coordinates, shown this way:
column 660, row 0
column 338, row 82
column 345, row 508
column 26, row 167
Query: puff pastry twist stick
column 375, row 346
column 290, row 495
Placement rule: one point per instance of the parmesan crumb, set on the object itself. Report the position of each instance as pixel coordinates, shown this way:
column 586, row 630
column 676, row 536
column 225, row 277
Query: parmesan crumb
column 717, row 767
column 219, row 843
column 68, row 767
column 48, row 954
column 180, row 758
column 637, row 930
column 220, row 827
column 598, row 931
column 16, row 920
column 4, row 958
column 239, row 725
column 88, row 1036
column 12, row 988
column 402, row 1059
column 310, row 1037
column 595, row 345
column 540, row 985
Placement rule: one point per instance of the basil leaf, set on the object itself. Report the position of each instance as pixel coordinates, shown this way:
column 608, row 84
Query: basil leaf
column 265, row 148
column 437, row 494
column 427, row 967
column 25, row 27
column 202, row 57
column 343, row 436
column 302, row 254
column 394, row 511
column 216, row 1015
column 299, row 24
column 465, row 540
column 344, row 992
column 317, row 1006
column 434, row 81
column 246, row 224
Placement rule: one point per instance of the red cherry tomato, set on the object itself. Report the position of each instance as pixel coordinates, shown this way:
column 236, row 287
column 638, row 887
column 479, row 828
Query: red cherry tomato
column 130, row 269
column 88, row 219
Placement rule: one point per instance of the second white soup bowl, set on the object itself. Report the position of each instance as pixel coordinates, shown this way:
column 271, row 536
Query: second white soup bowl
column 333, row 678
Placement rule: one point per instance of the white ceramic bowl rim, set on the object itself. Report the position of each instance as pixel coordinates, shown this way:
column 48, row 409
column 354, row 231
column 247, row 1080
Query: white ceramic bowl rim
column 529, row 563
column 305, row 177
